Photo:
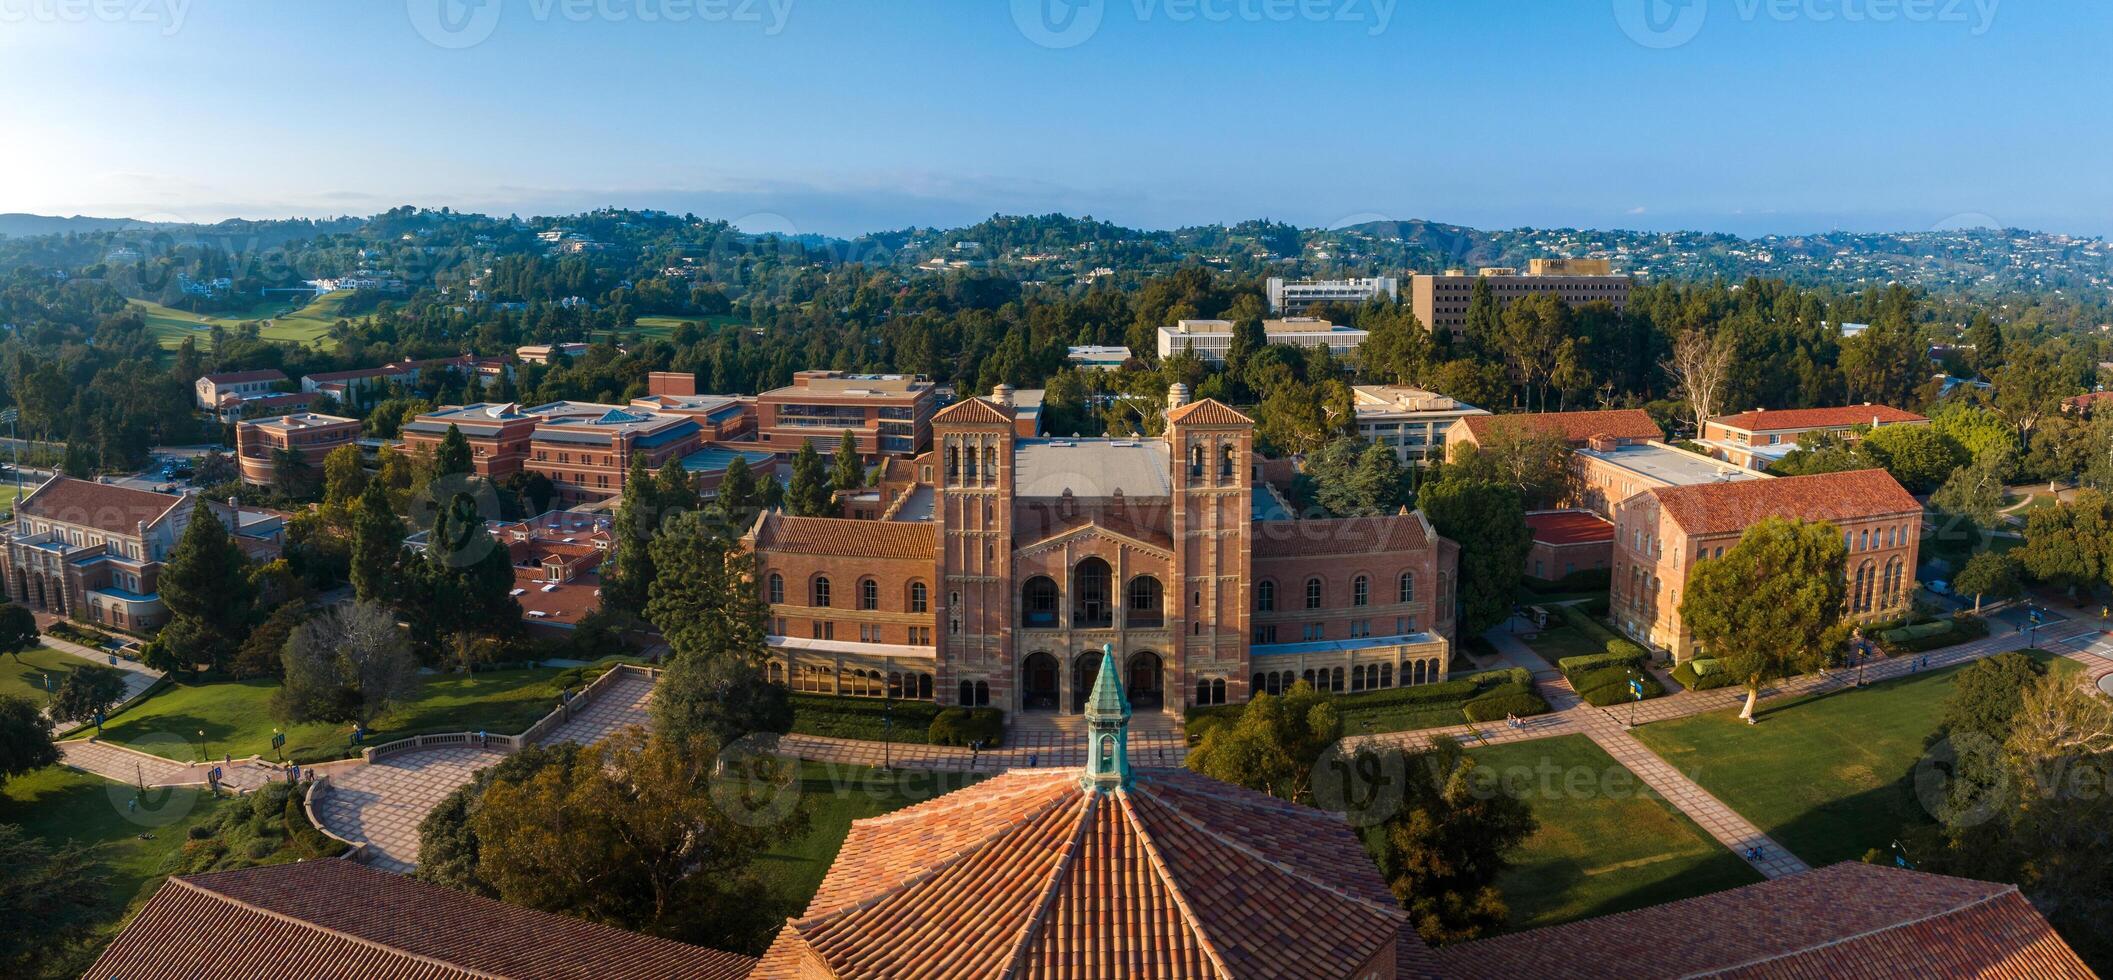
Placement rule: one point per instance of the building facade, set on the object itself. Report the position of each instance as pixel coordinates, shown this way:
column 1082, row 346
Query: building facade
column 585, row 449
column 1209, row 340
column 1411, row 421
column 999, row 565
column 1663, row 533
column 1757, row 439
column 1296, row 296
column 888, row 414
column 309, row 436
column 498, row 435
column 215, row 390
column 1441, row 301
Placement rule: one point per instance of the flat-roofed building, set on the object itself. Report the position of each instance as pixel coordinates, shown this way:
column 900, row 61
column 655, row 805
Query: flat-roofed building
column 720, row 418
column 1098, row 358
column 1441, row 301
column 1296, row 295
column 1762, row 437
column 498, row 434
column 215, row 390
column 1411, row 421
column 1576, row 429
column 309, row 436
column 585, row 449
column 1566, row 542
column 707, row 466
column 1209, row 340
column 1662, row 534
column 546, row 353
column 1609, row 471
column 888, row 414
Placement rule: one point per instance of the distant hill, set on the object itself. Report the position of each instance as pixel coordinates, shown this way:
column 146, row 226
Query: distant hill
column 19, row 225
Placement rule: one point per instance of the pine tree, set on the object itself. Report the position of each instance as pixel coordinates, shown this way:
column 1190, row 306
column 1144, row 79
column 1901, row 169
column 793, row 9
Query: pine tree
column 737, row 489
column 377, row 546
column 706, row 604
column 850, row 473
column 809, row 496
column 205, row 585
column 630, row 566
column 454, row 456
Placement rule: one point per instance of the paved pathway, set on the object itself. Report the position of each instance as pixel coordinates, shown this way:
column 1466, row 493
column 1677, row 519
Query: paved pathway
column 618, row 705
column 137, row 676
column 380, row 804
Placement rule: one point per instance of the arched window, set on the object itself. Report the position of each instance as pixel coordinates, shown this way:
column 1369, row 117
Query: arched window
column 1335, row 679
column 919, row 598
column 1361, row 591
column 777, row 588
column 1265, row 596
column 1196, row 459
column 1357, row 678
column 821, row 591
column 924, row 687
column 990, row 463
column 1256, row 686
column 1225, row 461
column 1038, row 602
column 1092, row 593
column 1217, row 690
column 868, row 594
column 953, row 469
column 1313, row 593
column 1408, row 587
column 1145, row 603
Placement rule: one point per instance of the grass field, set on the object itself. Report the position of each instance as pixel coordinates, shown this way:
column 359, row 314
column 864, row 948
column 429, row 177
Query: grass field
column 1828, row 777
column 833, row 796
column 1606, row 843
column 61, row 805
column 24, row 675
column 663, row 327
column 236, row 716
column 1557, row 642
column 291, row 322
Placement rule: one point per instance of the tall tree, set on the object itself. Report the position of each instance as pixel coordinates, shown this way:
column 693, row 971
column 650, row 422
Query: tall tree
column 467, row 581
column 453, row 457
column 809, row 495
column 1447, row 842
column 87, row 691
column 705, row 602
column 629, row 569
column 344, row 477
column 377, row 547
column 1701, row 368
column 349, row 664
column 1274, row 745
column 205, row 585
column 53, row 897
column 25, row 738
column 2066, row 544
column 1990, row 573
column 1488, row 520
column 848, row 472
column 1773, row 604
column 737, row 489
column 18, row 629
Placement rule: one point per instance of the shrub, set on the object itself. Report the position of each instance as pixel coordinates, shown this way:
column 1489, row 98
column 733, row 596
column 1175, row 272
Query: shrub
column 1597, row 605
column 1509, row 675
column 1689, row 677
column 1457, row 690
column 967, row 726
column 1573, row 666
column 1507, row 699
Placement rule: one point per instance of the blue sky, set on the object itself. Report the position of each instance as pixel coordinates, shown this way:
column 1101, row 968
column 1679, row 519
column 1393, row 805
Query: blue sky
column 1749, row 116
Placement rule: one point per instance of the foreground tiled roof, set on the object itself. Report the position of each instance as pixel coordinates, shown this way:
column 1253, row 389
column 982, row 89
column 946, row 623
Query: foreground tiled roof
column 845, row 538
column 1766, row 420
column 1849, row 920
column 340, row 919
column 1717, row 508
column 1032, row 875
column 116, row 509
column 974, row 411
column 1209, row 411
column 1574, row 427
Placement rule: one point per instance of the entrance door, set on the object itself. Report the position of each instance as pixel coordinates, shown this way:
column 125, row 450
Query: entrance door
column 1145, row 683
column 1038, row 683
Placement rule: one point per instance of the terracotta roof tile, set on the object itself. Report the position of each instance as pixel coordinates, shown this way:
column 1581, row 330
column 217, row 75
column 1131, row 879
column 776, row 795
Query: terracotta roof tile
column 1576, row 428
column 1770, row 420
column 1031, row 875
column 1209, row 411
column 1848, row 920
column 974, row 411
column 1718, row 508
column 341, row 919
column 845, row 537
column 1567, row 527
column 116, row 509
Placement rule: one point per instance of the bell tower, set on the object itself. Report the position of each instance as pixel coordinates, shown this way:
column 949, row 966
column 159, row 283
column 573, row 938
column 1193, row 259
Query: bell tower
column 1211, row 449
column 1107, row 729
column 973, row 451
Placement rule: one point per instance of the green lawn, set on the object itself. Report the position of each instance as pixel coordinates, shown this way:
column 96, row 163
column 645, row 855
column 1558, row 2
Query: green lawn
column 664, row 327
column 23, row 675
column 1829, row 777
column 61, row 805
column 1557, row 642
column 295, row 322
column 832, row 797
column 1606, row 843
column 237, row 720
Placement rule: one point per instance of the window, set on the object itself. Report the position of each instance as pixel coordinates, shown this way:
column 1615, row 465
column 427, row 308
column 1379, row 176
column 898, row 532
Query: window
column 1312, row 631
column 1361, row 591
column 1265, row 634
column 868, row 594
column 777, row 588
column 1408, row 587
column 1313, row 593
column 1265, row 597
column 1225, row 461
column 918, row 599
column 821, row 591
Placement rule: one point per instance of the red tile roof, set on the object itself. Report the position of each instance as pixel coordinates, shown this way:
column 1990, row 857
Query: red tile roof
column 1567, row 527
column 1717, row 508
column 1767, row 420
column 340, row 919
column 238, row 377
column 118, row 510
column 845, row 538
column 1576, row 428
column 974, row 411
column 1849, row 920
column 1209, row 411
column 1031, row 875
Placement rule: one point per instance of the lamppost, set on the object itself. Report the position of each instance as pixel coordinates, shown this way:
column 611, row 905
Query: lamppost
column 887, row 739
column 208, row 745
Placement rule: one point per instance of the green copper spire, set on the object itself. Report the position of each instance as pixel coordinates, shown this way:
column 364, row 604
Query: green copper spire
column 1108, row 728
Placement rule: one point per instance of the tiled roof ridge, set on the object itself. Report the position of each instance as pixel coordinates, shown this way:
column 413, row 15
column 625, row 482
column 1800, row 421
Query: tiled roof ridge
column 1204, row 940
column 942, row 863
column 1023, row 942
column 1386, row 908
column 953, row 801
column 1999, row 894
column 193, row 885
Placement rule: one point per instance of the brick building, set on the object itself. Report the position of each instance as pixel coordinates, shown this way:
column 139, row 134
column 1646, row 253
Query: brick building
column 1441, row 302
column 557, row 559
column 498, row 435
column 309, row 435
column 998, row 563
column 216, row 392
column 1663, row 533
column 1759, row 438
column 585, row 449
column 720, row 418
column 889, row 414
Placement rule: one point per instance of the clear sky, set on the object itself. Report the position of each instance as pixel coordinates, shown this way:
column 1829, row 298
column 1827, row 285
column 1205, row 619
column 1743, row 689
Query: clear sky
column 840, row 116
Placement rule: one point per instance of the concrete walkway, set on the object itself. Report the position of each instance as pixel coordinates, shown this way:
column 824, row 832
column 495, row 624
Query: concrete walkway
column 380, row 804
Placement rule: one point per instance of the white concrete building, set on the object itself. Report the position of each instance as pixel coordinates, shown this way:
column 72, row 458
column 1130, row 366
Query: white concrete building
column 1410, row 420
column 1296, row 295
column 1210, row 339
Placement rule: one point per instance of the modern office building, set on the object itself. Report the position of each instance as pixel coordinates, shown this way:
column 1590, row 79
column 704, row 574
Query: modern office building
column 1210, row 339
column 310, row 436
column 1412, row 421
column 1295, row 296
column 585, row 449
column 888, row 414
column 1098, row 358
column 1441, row 301
column 498, row 434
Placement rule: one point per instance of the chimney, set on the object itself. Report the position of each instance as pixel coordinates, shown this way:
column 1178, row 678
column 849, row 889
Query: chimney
column 1178, row 395
column 1604, row 442
column 1002, row 394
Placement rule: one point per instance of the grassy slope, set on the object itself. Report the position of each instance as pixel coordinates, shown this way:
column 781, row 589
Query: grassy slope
column 1606, row 844
column 21, row 675
column 237, row 720
column 1828, row 777
column 290, row 322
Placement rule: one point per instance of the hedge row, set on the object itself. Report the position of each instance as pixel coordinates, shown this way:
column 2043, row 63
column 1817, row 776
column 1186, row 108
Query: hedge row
column 1610, row 686
column 968, row 726
column 1933, row 635
column 1506, row 699
column 1572, row 666
column 1703, row 675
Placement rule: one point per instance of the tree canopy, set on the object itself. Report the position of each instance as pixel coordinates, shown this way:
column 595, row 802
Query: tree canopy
column 1772, row 604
